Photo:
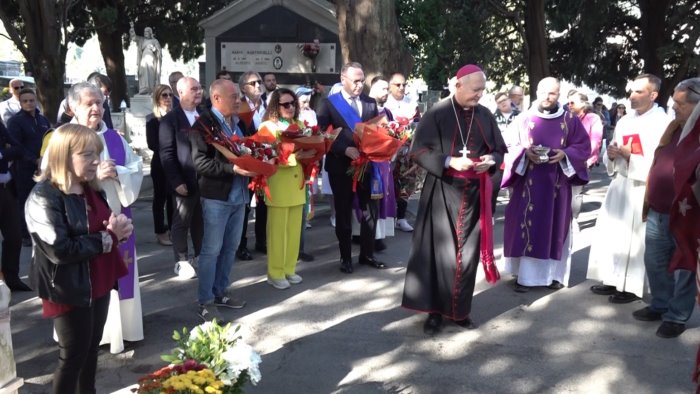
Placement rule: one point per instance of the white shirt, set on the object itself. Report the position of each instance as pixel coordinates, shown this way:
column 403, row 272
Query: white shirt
column 406, row 107
column 349, row 99
column 191, row 116
column 8, row 108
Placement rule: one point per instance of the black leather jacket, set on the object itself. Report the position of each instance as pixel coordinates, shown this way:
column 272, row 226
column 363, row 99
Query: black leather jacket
column 62, row 246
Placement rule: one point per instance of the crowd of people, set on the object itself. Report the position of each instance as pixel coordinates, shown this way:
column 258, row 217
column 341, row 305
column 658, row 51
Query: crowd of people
column 77, row 182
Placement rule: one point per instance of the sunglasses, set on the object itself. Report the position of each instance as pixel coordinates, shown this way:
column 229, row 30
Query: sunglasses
column 18, row 87
column 166, row 95
column 288, row 104
column 253, row 83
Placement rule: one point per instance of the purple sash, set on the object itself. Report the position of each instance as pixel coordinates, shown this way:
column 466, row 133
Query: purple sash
column 115, row 147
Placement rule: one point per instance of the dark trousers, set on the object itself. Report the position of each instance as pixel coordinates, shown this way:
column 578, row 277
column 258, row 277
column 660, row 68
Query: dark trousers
column 162, row 199
column 24, row 184
column 79, row 333
column 341, row 185
column 401, row 203
column 10, row 225
column 187, row 217
column 260, row 224
column 496, row 178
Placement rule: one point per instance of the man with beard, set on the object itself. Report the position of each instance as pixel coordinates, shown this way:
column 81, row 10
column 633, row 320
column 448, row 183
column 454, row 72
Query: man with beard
column 546, row 158
column 617, row 249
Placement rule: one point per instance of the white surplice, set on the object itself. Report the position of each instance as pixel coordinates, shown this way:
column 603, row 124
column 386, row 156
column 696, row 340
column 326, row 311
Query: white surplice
column 125, row 317
column 617, row 250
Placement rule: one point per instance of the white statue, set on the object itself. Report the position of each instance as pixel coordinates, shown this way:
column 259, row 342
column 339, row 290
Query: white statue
column 149, row 57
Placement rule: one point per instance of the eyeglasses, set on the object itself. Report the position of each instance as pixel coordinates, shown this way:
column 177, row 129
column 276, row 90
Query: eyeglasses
column 288, row 104
column 253, row 83
column 400, row 84
column 18, row 87
column 356, row 82
column 692, row 89
column 166, row 95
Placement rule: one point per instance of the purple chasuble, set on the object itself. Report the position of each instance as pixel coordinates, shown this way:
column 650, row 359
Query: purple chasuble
column 115, row 147
column 538, row 215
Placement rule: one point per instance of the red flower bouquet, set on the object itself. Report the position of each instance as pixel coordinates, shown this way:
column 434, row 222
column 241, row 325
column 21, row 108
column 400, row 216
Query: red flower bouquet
column 308, row 138
column 378, row 140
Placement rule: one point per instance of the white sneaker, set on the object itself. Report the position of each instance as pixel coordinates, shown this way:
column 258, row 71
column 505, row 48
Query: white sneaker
column 184, row 270
column 294, row 279
column 402, row 224
column 333, row 221
column 280, row 284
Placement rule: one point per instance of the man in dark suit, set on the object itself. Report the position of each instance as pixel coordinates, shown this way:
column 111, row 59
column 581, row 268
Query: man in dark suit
column 10, row 218
column 176, row 158
column 344, row 110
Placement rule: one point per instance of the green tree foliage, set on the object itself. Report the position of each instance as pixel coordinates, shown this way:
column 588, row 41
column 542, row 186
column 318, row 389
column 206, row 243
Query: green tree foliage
column 600, row 43
column 612, row 42
column 446, row 34
column 42, row 30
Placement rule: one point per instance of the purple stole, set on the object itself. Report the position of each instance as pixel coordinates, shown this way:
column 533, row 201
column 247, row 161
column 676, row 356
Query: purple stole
column 127, row 249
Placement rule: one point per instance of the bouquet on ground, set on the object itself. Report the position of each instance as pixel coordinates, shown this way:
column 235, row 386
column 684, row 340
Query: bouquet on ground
column 378, row 140
column 208, row 359
column 308, row 138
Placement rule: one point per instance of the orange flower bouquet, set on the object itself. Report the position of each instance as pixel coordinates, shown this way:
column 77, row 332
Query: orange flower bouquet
column 378, row 140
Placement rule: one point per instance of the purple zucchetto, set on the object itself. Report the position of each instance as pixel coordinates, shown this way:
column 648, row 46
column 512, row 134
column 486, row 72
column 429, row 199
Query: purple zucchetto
column 468, row 69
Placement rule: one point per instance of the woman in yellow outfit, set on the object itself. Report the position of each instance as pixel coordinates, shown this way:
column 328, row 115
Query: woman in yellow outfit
column 287, row 198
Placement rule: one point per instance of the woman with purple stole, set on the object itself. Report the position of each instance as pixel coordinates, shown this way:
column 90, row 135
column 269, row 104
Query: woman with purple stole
column 120, row 174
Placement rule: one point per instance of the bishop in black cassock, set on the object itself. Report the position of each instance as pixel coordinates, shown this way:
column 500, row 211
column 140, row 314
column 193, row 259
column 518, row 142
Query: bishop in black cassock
column 447, row 243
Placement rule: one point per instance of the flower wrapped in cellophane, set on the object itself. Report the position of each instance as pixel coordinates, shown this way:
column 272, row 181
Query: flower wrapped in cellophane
column 378, row 140
column 309, row 138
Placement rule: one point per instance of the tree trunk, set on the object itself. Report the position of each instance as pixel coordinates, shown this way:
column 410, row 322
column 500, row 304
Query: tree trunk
column 652, row 23
column 369, row 34
column 46, row 51
column 112, row 52
column 536, row 49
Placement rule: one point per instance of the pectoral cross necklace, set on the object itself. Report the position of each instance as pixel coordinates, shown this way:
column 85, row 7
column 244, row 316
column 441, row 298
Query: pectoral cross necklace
column 464, row 151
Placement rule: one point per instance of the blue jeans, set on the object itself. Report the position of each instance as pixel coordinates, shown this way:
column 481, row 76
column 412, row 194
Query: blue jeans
column 672, row 294
column 223, row 225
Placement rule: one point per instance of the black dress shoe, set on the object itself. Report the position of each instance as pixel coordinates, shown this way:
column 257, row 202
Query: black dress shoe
column 646, row 314
column 17, row 285
column 520, row 288
column 379, row 245
column 372, row 262
column 346, row 266
column 603, row 289
column 305, row 257
column 670, row 329
column 466, row 323
column 261, row 248
column 433, row 324
column 622, row 297
column 244, row 254
column 556, row 285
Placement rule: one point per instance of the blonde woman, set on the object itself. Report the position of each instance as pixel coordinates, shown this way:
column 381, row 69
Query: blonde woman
column 76, row 260
column 162, row 104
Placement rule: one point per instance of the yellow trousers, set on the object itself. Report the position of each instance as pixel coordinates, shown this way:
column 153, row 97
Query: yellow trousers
column 283, row 234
